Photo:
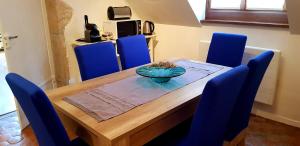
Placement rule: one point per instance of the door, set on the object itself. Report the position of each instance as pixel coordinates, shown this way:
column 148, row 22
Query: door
column 7, row 102
column 25, row 42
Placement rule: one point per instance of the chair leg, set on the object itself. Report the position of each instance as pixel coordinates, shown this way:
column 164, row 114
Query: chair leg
column 242, row 142
column 239, row 140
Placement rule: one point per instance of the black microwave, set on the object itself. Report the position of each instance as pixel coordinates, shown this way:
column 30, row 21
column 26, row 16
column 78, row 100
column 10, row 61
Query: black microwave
column 122, row 28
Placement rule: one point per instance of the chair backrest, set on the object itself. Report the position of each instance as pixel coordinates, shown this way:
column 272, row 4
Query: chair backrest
column 39, row 111
column 96, row 60
column 214, row 109
column 240, row 117
column 226, row 49
column 133, row 51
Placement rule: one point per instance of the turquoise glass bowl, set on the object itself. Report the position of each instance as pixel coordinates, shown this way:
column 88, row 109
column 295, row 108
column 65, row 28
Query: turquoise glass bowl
column 160, row 75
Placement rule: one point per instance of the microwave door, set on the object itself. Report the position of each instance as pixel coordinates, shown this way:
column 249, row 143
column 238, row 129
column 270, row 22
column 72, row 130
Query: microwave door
column 126, row 28
column 138, row 27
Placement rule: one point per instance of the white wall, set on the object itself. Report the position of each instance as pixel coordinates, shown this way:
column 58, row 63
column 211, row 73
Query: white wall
column 97, row 12
column 175, row 12
column 181, row 41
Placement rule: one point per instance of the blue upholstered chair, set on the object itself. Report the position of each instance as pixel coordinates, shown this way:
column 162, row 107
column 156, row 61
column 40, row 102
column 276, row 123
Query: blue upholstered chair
column 226, row 49
column 133, row 51
column 40, row 113
column 212, row 114
column 96, row 60
column 241, row 113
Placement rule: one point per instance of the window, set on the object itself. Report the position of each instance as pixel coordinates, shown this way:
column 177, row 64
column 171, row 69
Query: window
column 265, row 5
column 225, row 4
column 258, row 12
column 1, row 43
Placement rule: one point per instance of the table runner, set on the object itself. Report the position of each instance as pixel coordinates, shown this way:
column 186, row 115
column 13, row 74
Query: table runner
column 113, row 99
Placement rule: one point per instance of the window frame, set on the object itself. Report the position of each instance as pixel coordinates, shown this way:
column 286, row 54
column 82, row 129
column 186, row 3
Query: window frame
column 277, row 18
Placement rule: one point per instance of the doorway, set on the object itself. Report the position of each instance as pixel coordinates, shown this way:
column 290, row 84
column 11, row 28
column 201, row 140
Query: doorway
column 7, row 103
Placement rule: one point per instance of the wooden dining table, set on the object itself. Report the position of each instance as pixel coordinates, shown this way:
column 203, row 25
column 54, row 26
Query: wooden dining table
column 134, row 127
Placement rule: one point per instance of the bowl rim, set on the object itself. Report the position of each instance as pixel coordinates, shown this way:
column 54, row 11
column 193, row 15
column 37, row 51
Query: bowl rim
column 184, row 71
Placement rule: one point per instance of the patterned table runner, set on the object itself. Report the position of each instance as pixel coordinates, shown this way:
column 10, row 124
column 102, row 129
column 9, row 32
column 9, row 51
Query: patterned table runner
column 110, row 100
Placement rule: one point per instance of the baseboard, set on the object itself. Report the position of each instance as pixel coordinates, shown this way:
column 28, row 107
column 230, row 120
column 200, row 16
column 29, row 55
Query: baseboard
column 277, row 118
column 47, row 84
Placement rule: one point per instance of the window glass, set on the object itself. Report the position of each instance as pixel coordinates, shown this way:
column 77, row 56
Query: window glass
column 225, row 4
column 1, row 44
column 265, row 4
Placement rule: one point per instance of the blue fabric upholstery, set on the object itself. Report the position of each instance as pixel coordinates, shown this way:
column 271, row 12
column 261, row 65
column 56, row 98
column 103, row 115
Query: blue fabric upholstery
column 39, row 111
column 96, row 60
column 133, row 51
column 213, row 112
column 241, row 113
column 226, row 49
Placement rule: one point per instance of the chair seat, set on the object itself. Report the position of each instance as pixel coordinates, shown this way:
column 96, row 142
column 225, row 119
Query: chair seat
column 96, row 60
column 226, row 49
column 241, row 113
column 176, row 136
column 78, row 142
column 212, row 114
column 133, row 51
column 44, row 120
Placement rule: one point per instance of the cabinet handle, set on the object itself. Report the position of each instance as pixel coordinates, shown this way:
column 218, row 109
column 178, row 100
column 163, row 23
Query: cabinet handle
column 13, row 37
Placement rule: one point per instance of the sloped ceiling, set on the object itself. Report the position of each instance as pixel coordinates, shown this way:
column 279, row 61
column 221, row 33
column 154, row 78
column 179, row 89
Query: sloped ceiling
column 175, row 12
column 293, row 9
column 190, row 12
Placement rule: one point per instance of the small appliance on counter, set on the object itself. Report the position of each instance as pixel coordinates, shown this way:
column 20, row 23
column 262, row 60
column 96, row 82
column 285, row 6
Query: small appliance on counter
column 106, row 36
column 148, row 28
column 91, row 33
column 118, row 13
column 122, row 28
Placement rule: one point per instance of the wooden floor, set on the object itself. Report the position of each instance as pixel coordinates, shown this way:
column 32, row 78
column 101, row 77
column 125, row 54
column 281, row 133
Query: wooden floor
column 10, row 133
column 262, row 132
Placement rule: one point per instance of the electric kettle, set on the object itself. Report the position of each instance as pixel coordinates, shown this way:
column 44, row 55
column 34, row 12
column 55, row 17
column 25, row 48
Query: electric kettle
column 148, row 28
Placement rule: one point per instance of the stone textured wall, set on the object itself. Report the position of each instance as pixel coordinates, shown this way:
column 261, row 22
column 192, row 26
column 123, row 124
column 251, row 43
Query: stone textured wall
column 59, row 15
